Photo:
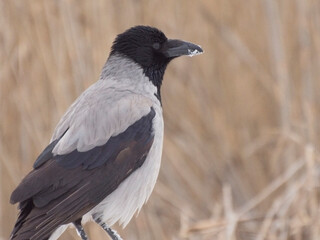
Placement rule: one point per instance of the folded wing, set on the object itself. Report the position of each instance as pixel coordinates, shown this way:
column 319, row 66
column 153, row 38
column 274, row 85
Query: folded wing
column 68, row 182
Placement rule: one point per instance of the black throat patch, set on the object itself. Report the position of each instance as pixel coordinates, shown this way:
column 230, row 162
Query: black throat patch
column 155, row 75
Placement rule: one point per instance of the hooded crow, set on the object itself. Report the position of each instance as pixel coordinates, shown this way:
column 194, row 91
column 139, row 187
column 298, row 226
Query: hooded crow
column 104, row 156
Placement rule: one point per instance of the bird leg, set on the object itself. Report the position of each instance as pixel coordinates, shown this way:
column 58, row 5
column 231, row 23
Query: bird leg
column 112, row 233
column 80, row 229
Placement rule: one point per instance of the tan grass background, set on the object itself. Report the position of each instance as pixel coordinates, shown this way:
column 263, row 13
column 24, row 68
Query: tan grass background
column 241, row 158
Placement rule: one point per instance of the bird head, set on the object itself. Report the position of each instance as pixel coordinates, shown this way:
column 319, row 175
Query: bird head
column 151, row 49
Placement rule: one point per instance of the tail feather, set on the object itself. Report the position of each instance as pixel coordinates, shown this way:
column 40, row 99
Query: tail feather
column 25, row 227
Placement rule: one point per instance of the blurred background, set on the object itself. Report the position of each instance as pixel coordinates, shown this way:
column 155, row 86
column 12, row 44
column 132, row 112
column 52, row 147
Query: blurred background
column 241, row 158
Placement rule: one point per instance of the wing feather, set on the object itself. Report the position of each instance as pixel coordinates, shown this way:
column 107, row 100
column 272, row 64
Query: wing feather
column 65, row 187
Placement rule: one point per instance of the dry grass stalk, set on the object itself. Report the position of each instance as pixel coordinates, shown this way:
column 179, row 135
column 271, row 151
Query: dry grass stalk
column 240, row 155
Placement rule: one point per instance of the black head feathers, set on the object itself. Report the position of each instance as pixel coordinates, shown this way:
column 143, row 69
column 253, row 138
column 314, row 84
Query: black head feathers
column 141, row 44
column 150, row 48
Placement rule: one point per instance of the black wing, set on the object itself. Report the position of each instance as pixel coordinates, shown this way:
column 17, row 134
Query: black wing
column 62, row 188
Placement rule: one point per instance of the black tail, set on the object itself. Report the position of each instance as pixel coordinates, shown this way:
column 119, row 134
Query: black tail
column 25, row 227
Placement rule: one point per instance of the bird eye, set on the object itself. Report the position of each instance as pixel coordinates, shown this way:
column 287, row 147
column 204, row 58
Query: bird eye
column 156, row 46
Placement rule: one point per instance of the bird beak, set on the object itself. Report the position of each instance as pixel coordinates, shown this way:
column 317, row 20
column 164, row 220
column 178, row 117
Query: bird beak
column 175, row 48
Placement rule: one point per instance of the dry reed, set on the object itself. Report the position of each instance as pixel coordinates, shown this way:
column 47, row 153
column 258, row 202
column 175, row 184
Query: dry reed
column 241, row 157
